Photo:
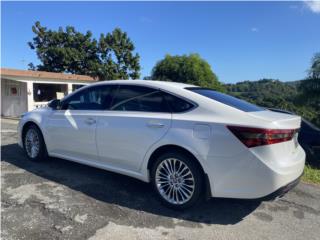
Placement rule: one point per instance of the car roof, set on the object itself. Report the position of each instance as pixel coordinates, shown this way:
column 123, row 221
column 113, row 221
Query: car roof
column 150, row 83
column 172, row 87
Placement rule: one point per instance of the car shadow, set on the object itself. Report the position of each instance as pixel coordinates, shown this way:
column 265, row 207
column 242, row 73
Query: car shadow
column 124, row 191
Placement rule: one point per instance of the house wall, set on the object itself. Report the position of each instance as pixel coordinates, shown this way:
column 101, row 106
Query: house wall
column 13, row 105
column 13, row 98
column 32, row 104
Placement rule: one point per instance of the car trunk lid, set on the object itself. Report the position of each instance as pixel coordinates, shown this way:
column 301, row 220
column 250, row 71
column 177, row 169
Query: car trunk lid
column 280, row 120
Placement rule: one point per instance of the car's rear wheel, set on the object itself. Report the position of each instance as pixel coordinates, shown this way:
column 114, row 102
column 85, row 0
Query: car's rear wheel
column 34, row 144
column 177, row 179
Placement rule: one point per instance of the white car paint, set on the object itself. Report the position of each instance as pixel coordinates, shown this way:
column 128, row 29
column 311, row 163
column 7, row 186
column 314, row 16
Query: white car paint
column 123, row 141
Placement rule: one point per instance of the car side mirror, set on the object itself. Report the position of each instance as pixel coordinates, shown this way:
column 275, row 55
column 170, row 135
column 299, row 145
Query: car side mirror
column 54, row 104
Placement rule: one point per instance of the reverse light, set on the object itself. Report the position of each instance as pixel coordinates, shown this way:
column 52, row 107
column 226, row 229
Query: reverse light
column 253, row 137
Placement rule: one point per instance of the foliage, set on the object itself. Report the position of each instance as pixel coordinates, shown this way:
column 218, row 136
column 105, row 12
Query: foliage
column 71, row 51
column 310, row 93
column 311, row 175
column 118, row 44
column 309, row 89
column 191, row 69
column 314, row 71
column 272, row 93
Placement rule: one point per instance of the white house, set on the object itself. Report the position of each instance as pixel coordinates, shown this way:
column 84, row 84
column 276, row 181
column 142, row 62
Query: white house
column 24, row 90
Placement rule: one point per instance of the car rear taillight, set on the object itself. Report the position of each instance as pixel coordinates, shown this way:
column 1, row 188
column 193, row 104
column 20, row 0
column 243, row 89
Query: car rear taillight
column 253, row 137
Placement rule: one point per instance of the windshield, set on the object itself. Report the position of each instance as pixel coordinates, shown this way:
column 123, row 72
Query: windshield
column 226, row 99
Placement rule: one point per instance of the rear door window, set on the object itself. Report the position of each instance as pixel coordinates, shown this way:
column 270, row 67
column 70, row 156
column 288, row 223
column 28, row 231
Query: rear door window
column 139, row 98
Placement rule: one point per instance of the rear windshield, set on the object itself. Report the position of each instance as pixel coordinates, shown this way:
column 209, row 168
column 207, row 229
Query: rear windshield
column 226, row 99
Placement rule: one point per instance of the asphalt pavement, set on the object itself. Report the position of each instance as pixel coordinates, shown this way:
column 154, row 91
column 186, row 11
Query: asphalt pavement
column 59, row 199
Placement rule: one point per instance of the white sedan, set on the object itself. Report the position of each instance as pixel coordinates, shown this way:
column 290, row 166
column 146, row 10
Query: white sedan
column 186, row 140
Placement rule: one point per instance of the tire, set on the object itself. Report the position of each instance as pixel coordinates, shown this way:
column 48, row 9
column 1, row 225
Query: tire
column 34, row 145
column 182, row 195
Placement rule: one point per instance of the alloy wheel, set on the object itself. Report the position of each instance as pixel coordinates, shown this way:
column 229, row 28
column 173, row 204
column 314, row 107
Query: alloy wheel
column 32, row 143
column 175, row 181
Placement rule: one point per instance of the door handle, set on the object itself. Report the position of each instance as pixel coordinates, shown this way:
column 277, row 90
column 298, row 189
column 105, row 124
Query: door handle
column 90, row 121
column 155, row 125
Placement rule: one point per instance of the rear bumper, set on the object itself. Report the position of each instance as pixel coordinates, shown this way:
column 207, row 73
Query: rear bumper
column 281, row 191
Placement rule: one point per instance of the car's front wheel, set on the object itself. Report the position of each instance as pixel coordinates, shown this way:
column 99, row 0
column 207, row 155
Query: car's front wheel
column 34, row 145
column 177, row 179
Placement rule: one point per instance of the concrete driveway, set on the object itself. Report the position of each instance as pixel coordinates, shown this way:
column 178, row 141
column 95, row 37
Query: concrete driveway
column 59, row 199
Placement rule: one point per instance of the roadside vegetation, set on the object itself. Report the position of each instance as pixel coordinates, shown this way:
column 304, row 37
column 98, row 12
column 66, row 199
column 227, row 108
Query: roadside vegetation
column 311, row 175
column 273, row 93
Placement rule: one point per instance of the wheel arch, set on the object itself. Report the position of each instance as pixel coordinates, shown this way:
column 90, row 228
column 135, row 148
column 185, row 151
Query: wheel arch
column 171, row 147
column 25, row 127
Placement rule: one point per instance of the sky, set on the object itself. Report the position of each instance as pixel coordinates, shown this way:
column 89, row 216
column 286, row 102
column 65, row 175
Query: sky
column 240, row 40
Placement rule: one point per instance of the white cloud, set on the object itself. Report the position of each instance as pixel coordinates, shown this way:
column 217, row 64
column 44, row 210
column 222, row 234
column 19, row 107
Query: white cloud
column 314, row 6
column 254, row 29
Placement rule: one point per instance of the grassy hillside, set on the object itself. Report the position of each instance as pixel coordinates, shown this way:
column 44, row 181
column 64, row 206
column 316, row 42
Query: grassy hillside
column 276, row 94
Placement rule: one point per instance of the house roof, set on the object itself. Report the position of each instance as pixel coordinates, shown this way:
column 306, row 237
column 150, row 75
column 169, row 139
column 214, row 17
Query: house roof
column 8, row 72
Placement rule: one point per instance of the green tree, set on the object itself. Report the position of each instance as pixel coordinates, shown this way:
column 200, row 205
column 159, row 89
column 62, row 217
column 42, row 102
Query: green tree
column 191, row 69
column 125, row 64
column 314, row 71
column 71, row 51
column 273, row 93
column 310, row 88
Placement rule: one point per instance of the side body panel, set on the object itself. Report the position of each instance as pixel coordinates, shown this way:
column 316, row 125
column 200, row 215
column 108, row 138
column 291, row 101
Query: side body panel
column 71, row 133
column 124, row 137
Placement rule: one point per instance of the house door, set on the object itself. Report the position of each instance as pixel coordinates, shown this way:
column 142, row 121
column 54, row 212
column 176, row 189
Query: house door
column 14, row 98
